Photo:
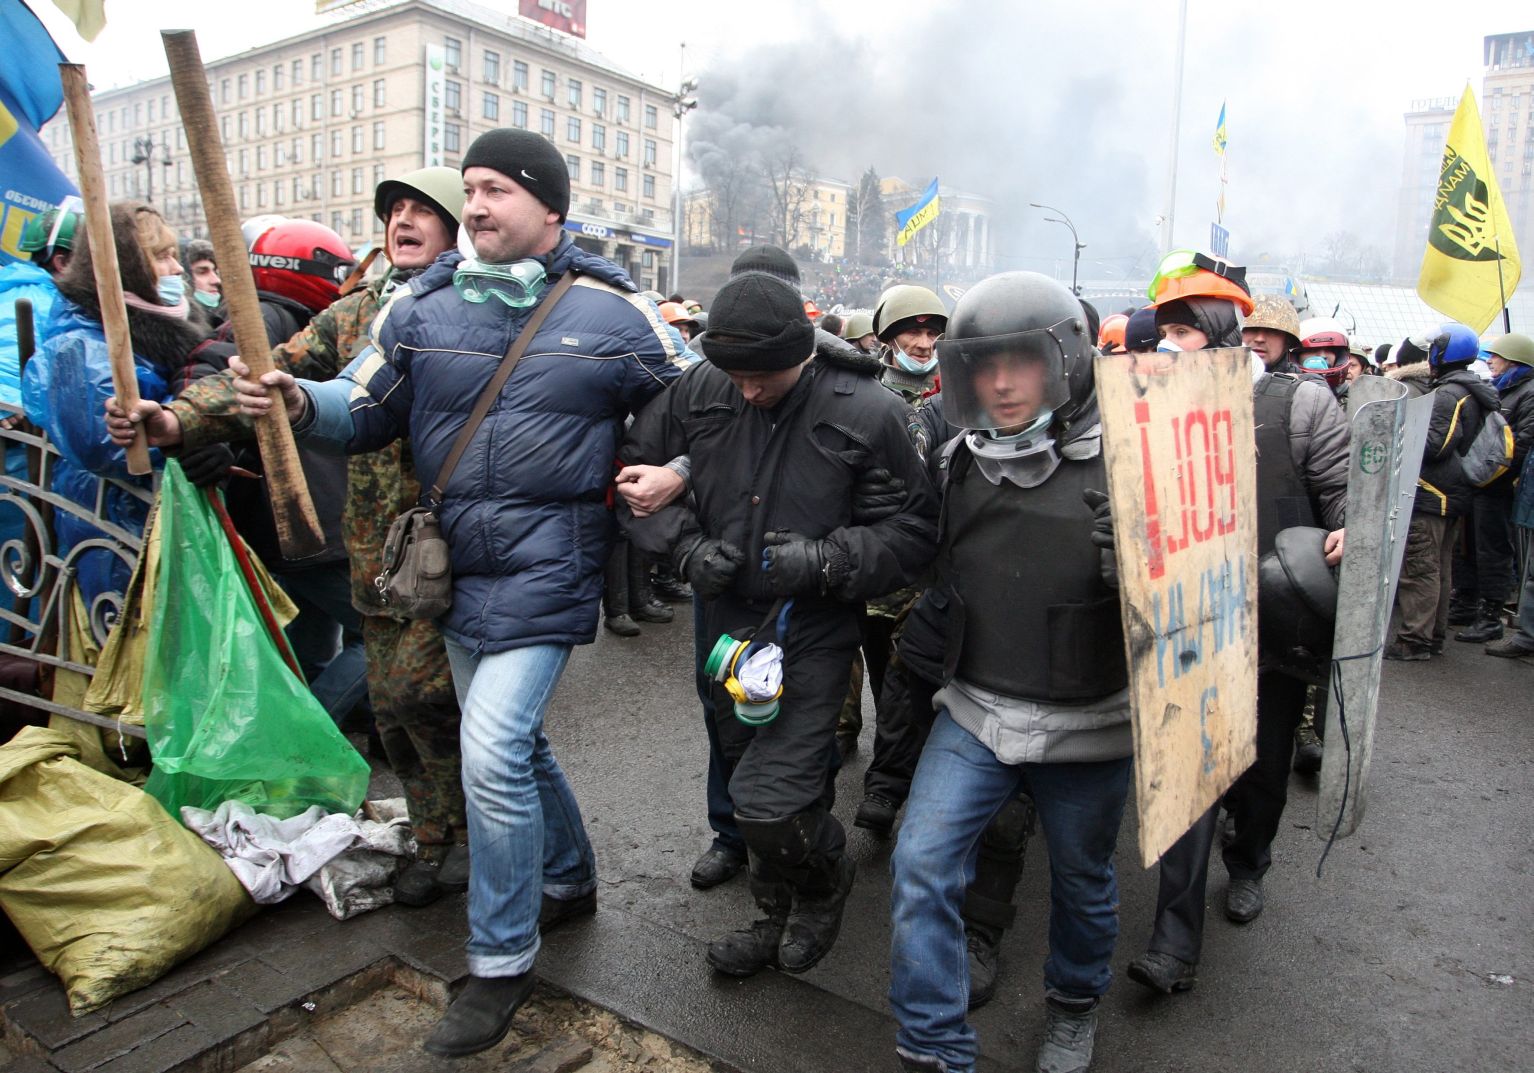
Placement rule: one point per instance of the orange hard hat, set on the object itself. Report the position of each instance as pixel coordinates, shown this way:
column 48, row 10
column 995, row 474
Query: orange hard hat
column 674, row 313
column 1203, row 283
column 809, row 308
column 1112, row 331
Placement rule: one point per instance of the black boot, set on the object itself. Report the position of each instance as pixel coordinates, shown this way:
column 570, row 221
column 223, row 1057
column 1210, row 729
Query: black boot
column 615, row 593
column 816, row 918
column 642, row 602
column 480, row 1016
column 1462, row 609
column 984, row 948
column 1487, row 625
column 749, row 951
column 668, row 586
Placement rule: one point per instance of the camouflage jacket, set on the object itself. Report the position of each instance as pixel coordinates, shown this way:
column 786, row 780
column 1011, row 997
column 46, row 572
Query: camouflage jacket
column 380, row 485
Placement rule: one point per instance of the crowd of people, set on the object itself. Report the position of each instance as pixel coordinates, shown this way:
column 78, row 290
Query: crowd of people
column 838, row 497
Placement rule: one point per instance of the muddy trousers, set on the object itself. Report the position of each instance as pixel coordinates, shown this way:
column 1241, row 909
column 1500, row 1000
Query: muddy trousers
column 416, row 710
column 1256, row 803
column 1422, row 596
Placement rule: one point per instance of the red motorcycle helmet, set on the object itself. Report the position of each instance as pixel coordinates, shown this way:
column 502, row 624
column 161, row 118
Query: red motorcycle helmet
column 299, row 259
column 1324, row 349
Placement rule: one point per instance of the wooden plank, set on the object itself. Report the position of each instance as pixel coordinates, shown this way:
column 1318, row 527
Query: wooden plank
column 1178, row 440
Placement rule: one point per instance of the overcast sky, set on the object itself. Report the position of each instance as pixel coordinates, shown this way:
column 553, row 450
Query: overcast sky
column 1066, row 102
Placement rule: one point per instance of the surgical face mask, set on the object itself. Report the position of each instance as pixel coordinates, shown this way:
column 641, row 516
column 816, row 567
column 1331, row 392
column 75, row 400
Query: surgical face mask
column 172, row 289
column 911, row 365
column 517, row 284
column 1166, row 346
column 207, row 298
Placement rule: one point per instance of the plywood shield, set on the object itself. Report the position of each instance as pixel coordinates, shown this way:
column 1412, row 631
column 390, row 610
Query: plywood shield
column 1180, row 448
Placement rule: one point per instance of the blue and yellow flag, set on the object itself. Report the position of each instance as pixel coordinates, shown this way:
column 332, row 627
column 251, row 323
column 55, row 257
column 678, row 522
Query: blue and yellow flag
column 1471, row 263
column 1219, row 133
column 30, row 94
column 919, row 215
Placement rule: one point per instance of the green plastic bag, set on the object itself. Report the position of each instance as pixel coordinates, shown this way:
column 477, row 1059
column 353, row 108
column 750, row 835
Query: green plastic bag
column 226, row 717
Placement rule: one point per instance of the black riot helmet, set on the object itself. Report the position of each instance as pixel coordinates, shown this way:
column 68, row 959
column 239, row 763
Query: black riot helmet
column 1021, row 314
column 1297, row 601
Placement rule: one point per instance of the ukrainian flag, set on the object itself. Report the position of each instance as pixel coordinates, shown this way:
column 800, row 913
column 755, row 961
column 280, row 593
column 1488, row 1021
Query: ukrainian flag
column 919, row 215
column 30, row 94
column 1219, row 133
column 1471, row 263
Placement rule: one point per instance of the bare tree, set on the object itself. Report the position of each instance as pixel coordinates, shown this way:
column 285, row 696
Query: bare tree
column 789, row 184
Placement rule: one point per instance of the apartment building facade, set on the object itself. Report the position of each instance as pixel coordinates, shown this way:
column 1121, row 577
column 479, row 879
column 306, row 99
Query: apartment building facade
column 312, row 123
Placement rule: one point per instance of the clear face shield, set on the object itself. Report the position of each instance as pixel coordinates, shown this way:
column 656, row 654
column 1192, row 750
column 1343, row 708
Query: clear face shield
column 1005, row 390
column 1003, row 384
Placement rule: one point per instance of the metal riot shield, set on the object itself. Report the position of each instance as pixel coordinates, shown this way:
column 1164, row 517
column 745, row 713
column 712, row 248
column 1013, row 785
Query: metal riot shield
column 1388, row 435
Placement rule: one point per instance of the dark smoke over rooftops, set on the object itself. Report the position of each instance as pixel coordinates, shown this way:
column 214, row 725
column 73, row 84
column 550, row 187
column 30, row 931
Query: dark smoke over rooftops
column 1069, row 107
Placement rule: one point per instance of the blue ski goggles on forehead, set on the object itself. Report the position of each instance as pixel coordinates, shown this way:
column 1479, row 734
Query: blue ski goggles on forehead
column 517, row 284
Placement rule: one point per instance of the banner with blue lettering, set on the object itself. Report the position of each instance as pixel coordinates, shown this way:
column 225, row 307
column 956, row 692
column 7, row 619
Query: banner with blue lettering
column 1182, row 479
column 30, row 95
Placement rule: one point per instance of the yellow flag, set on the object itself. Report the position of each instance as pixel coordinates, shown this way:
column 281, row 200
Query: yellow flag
column 1471, row 262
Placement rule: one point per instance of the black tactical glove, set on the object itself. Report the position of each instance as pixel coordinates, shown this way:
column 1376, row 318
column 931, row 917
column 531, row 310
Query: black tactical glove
column 709, row 565
column 1102, row 536
column 876, row 494
column 207, row 466
column 798, row 566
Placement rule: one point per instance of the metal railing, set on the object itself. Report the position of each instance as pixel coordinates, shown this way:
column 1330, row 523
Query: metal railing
column 42, row 579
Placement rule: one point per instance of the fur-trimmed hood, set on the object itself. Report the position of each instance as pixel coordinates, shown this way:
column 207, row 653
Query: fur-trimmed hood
column 165, row 341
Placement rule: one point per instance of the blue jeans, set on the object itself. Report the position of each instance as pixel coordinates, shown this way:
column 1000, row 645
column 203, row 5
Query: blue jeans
column 958, row 787
column 526, row 837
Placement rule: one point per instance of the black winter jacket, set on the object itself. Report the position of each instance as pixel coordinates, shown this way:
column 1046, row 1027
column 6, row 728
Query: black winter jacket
column 1461, row 401
column 1518, row 407
column 755, row 471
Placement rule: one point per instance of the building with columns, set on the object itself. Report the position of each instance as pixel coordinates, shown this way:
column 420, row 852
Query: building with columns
column 959, row 238
column 312, row 123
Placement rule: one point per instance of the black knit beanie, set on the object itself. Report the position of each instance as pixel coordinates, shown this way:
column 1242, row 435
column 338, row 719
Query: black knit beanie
column 527, row 159
column 757, row 325
column 769, row 260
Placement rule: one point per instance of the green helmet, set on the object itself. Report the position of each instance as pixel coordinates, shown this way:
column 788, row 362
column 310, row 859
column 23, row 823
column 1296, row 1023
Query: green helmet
column 442, row 188
column 1514, row 347
column 857, row 325
column 35, row 235
column 905, row 302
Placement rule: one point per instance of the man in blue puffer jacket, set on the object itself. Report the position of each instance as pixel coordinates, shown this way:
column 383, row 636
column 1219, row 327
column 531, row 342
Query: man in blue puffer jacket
column 526, row 517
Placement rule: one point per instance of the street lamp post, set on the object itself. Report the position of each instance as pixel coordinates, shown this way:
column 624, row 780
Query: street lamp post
column 143, row 153
column 681, row 103
column 1075, row 240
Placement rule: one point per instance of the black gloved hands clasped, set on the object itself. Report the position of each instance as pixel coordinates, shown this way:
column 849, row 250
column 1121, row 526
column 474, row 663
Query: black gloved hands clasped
column 708, row 565
column 876, row 494
column 208, row 465
column 1102, row 535
column 798, row 566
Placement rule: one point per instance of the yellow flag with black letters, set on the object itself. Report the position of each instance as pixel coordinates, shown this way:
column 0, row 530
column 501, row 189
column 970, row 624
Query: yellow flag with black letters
column 1471, row 262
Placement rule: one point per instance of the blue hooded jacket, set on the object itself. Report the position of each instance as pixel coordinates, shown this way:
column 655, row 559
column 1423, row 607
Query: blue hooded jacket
column 526, row 512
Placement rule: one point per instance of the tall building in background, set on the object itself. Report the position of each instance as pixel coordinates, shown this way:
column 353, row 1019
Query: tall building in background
column 1507, row 112
column 1427, row 127
column 312, row 123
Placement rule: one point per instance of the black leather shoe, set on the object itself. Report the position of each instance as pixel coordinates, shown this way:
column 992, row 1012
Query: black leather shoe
column 652, row 611
column 984, row 960
column 480, row 1016
column 671, row 589
column 622, row 625
column 748, row 952
column 555, row 911
column 717, row 865
column 877, row 814
column 1243, row 901
column 813, row 923
column 454, row 875
column 1163, row 972
column 418, row 884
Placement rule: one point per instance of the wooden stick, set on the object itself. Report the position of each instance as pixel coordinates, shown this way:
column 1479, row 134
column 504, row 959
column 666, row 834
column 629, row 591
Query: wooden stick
column 98, row 226
column 298, row 527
